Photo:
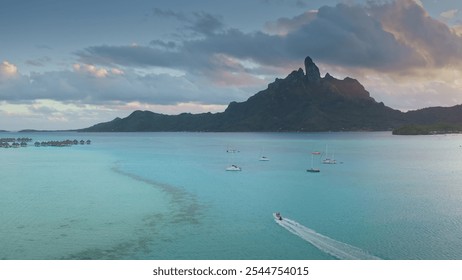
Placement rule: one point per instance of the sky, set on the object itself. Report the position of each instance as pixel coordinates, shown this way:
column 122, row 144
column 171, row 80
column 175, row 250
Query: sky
column 68, row 64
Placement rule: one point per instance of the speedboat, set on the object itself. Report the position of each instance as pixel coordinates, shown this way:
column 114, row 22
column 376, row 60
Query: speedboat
column 277, row 216
column 263, row 158
column 233, row 168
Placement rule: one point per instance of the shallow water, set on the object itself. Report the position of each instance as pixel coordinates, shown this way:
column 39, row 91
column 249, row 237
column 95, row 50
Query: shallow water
column 168, row 196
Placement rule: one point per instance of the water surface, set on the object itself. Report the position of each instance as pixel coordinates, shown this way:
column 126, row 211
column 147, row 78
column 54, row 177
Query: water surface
column 168, row 196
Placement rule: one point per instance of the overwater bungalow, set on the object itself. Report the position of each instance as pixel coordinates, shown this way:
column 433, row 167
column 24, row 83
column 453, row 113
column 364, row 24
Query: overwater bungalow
column 22, row 142
column 4, row 145
column 7, row 139
column 24, row 139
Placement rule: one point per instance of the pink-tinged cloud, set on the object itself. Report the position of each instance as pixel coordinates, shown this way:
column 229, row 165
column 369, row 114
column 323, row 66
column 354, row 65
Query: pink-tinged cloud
column 433, row 43
column 231, row 72
column 7, row 70
column 450, row 14
column 91, row 70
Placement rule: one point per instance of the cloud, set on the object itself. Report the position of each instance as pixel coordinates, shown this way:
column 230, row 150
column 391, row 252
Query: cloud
column 199, row 22
column 116, row 71
column 51, row 114
column 283, row 26
column 391, row 36
column 416, row 92
column 207, row 24
column 169, row 45
column 450, row 14
column 196, row 56
column 457, row 29
column 133, row 56
column 430, row 40
column 417, row 2
column 156, row 12
column 348, row 36
column 88, row 84
column 92, row 70
column 7, row 70
column 39, row 62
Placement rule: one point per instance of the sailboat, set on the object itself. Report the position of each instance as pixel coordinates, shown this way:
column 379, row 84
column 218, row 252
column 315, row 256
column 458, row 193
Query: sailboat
column 263, row 158
column 312, row 169
column 233, row 167
column 329, row 160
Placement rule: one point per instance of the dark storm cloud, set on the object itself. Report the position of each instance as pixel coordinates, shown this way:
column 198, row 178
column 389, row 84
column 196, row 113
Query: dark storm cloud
column 258, row 46
column 345, row 35
column 348, row 36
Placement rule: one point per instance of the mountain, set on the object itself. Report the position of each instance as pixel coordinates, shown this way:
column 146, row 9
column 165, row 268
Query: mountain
column 307, row 102
column 303, row 101
column 149, row 121
column 432, row 115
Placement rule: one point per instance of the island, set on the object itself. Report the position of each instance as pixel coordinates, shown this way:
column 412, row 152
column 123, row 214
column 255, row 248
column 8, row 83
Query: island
column 302, row 102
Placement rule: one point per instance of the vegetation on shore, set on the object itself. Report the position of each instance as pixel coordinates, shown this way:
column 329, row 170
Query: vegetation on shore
column 431, row 129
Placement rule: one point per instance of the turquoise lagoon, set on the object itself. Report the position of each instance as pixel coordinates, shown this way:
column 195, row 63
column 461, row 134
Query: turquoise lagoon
column 168, row 196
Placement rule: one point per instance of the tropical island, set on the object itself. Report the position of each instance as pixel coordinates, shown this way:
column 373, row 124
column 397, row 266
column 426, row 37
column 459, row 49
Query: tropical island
column 302, row 102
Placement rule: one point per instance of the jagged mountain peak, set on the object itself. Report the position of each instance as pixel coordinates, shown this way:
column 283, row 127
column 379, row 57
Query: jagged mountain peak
column 303, row 101
column 312, row 71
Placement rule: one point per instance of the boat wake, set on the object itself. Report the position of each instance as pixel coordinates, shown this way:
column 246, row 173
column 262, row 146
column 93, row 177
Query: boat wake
column 330, row 246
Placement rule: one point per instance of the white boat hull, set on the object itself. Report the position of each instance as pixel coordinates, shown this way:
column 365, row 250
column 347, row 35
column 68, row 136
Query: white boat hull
column 233, row 168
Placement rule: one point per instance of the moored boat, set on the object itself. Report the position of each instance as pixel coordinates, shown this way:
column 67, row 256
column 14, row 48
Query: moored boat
column 233, row 168
column 313, row 170
column 328, row 160
column 263, row 158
